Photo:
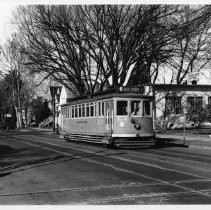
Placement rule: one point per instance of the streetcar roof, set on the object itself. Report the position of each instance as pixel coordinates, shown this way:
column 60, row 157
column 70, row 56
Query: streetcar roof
column 105, row 95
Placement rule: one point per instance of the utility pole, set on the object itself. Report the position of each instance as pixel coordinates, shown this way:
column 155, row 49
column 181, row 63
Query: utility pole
column 54, row 109
column 184, row 125
column 53, row 91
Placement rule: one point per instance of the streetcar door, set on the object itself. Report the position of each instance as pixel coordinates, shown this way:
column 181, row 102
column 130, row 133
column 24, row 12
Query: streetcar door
column 109, row 116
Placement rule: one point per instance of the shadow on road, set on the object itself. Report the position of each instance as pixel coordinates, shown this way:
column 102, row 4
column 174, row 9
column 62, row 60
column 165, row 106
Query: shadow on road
column 27, row 132
column 160, row 145
column 16, row 159
column 4, row 149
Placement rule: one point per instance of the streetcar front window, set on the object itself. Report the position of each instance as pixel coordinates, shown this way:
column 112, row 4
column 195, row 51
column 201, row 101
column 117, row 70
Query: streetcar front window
column 146, row 108
column 136, row 108
column 122, row 108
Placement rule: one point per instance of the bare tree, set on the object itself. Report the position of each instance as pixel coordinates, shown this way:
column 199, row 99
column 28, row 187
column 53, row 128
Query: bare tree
column 19, row 83
column 190, row 50
column 83, row 46
column 13, row 66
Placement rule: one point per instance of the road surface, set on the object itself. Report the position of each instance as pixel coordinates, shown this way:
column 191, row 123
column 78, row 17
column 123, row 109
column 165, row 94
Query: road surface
column 38, row 169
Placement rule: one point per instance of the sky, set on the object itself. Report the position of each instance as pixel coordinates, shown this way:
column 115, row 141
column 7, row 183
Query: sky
column 6, row 28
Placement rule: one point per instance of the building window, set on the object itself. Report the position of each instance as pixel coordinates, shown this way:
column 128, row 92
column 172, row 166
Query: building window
column 173, row 105
column 195, row 101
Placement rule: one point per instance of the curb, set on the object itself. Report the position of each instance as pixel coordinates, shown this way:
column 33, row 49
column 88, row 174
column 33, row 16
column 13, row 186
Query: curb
column 191, row 143
column 199, row 147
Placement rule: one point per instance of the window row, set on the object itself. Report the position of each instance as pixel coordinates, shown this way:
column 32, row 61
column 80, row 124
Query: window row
column 137, row 108
column 80, row 110
column 101, row 109
column 173, row 104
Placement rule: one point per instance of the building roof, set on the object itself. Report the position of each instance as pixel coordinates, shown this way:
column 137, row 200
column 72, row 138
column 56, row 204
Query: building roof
column 182, row 87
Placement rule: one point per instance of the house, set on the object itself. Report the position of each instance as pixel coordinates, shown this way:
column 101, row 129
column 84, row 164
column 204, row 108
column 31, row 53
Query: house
column 172, row 101
column 64, row 95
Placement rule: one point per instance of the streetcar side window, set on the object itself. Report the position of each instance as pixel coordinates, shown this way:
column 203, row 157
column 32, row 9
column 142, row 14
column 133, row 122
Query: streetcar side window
column 136, row 108
column 122, row 108
column 107, row 108
column 76, row 111
column 91, row 109
column 87, row 110
column 68, row 112
column 101, row 109
column 95, row 109
column 146, row 108
column 83, row 110
column 73, row 111
column 63, row 112
column 79, row 110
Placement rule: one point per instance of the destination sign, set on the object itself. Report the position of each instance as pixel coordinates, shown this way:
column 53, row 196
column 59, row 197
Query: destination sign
column 139, row 89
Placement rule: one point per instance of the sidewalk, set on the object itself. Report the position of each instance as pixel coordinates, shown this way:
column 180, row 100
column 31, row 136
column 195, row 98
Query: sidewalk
column 32, row 131
column 201, row 141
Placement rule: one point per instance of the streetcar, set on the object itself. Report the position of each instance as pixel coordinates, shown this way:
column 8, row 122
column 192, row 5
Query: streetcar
column 115, row 118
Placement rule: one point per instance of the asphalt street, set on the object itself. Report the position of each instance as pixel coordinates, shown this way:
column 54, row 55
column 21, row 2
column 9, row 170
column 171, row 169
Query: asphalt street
column 45, row 169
